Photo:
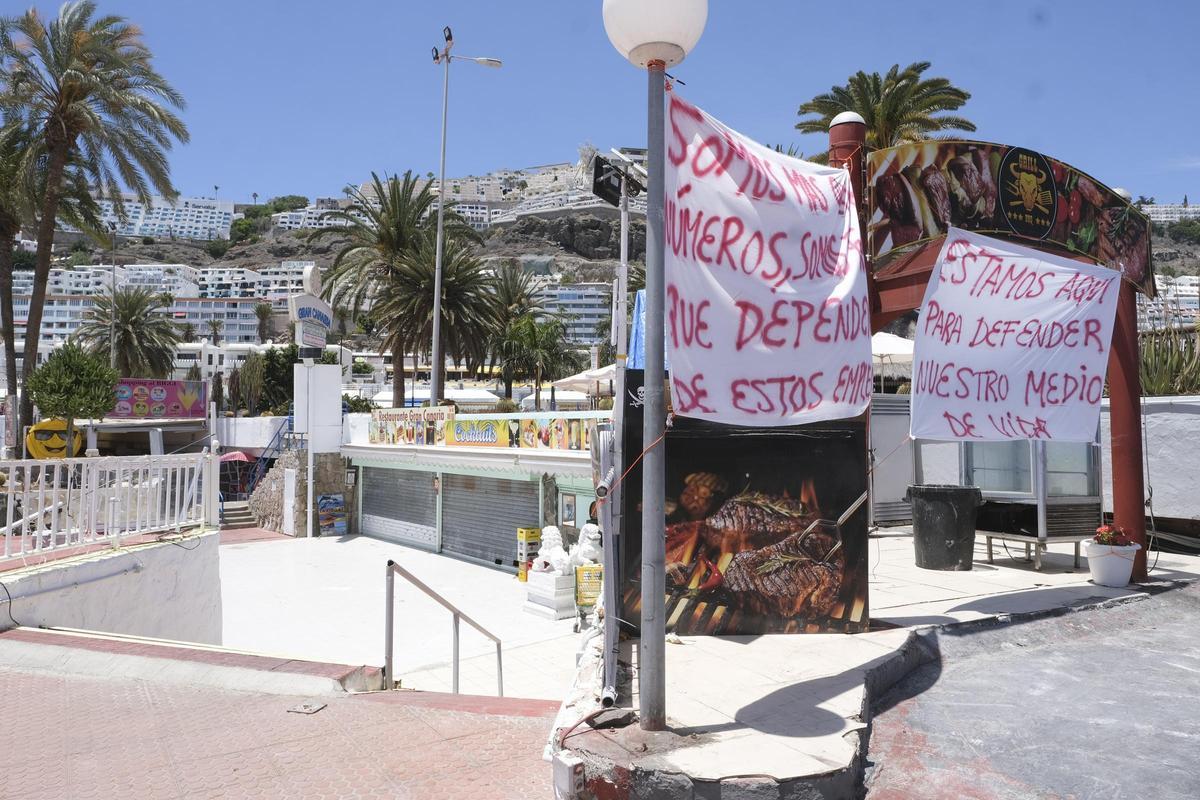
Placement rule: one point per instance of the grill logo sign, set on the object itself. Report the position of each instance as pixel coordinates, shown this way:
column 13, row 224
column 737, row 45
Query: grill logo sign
column 1027, row 195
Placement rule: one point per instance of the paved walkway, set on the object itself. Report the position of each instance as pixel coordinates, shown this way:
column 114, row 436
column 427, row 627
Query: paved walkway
column 323, row 600
column 1100, row 704
column 791, row 711
column 107, row 738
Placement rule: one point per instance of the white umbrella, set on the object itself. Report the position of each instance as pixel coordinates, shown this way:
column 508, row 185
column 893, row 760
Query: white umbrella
column 892, row 354
column 597, row 382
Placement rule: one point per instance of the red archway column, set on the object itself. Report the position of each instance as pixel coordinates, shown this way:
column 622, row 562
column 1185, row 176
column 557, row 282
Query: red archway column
column 1125, row 426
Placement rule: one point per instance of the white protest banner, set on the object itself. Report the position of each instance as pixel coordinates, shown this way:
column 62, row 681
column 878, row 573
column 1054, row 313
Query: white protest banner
column 1012, row 343
column 768, row 321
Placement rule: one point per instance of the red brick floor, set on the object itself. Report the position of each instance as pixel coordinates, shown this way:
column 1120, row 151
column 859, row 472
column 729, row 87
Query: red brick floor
column 80, row 738
column 243, row 535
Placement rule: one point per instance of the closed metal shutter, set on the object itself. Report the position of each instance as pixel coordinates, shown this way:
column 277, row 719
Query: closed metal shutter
column 480, row 516
column 400, row 506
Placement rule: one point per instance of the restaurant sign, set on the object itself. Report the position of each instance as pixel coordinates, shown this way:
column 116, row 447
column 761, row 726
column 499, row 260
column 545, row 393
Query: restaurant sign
column 918, row 191
column 408, row 425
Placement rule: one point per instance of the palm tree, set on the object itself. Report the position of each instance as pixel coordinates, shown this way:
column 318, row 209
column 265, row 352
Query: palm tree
column 145, row 335
column 262, row 311
column 468, row 306
column 389, row 221
column 87, row 84
column 541, row 350
column 898, row 107
column 22, row 179
column 515, row 298
column 188, row 332
column 215, row 326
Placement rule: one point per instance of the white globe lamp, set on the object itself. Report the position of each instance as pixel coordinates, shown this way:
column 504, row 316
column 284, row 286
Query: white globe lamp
column 645, row 31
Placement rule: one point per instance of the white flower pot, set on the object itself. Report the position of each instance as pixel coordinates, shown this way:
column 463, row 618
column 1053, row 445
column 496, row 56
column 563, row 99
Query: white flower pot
column 1111, row 565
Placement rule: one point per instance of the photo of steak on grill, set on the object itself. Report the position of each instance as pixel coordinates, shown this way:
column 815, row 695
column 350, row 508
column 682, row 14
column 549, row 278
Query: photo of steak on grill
column 784, row 580
column 968, row 185
column 752, row 520
column 937, row 191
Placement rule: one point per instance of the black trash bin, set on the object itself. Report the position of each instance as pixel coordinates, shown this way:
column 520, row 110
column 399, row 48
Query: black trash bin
column 944, row 525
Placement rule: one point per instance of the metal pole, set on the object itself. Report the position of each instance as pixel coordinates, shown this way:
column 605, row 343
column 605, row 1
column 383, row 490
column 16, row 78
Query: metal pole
column 112, row 315
column 308, row 413
column 613, row 504
column 435, row 378
column 454, row 688
column 499, row 671
column 389, row 680
column 652, row 647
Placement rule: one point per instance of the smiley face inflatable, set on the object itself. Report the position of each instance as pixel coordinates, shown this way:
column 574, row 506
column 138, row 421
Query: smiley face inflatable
column 48, row 439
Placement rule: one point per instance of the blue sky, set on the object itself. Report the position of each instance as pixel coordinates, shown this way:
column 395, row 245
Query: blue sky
column 307, row 95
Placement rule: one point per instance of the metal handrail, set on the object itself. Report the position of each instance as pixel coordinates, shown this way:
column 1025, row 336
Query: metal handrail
column 389, row 680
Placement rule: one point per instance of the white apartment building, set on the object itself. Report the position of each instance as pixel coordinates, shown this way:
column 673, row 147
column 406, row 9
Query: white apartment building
column 229, row 282
column 178, row 280
column 315, row 215
column 1166, row 213
column 582, row 307
column 1177, row 303
column 278, row 282
column 185, row 218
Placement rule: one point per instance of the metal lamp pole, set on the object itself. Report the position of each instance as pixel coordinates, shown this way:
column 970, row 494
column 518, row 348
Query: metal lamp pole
column 112, row 311
column 444, row 58
column 653, row 37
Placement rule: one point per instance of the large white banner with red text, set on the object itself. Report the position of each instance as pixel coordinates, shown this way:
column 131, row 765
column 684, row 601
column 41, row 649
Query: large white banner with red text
column 768, row 321
column 1012, row 343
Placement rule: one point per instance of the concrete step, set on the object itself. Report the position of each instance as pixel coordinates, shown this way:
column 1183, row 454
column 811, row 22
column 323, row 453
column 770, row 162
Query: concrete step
column 79, row 652
column 236, row 514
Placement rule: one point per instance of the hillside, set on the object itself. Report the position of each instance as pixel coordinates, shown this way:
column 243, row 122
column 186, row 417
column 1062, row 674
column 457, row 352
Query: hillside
column 580, row 246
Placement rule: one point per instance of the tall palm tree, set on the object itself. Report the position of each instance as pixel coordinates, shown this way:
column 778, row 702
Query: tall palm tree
column 86, row 82
column 540, row 349
column 145, row 335
column 901, row 106
column 22, row 181
column 188, row 332
column 515, row 298
column 405, row 304
column 262, row 311
column 215, row 326
column 392, row 219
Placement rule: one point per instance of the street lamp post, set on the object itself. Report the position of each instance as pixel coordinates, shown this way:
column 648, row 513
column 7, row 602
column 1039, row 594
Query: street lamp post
column 112, row 298
column 444, row 58
column 654, row 37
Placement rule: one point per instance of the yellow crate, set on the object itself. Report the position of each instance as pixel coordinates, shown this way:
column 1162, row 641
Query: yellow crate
column 529, row 534
column 588, row 580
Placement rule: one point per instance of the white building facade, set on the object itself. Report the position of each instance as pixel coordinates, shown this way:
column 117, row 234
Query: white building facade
column 582, row 308
column 184, row 218
column 1166, row 213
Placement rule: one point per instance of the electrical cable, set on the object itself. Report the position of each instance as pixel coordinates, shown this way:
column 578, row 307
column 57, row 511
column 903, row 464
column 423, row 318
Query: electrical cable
column 9, row 604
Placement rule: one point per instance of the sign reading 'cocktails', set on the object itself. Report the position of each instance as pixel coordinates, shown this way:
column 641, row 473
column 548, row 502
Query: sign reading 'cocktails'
column 768, row 321
column 1012, row 344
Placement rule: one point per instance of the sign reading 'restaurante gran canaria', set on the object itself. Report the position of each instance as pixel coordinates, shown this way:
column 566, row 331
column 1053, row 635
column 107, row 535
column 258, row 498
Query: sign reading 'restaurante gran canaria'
column 918, row 191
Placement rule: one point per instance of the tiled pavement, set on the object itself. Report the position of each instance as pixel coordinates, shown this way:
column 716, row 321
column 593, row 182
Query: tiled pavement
column 71, row 738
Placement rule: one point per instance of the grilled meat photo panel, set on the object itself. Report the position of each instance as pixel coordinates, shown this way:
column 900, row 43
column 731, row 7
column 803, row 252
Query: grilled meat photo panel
column 753, row 540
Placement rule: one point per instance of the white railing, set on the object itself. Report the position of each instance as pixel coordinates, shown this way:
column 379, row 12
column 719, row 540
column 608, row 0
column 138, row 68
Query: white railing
column 56, row 504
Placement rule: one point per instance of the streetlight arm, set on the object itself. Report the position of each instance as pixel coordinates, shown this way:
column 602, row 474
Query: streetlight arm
column 494, row 63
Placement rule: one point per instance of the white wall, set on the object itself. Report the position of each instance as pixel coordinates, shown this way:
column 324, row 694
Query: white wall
column 1171, row 462
column 163, row 590
column 248, row 433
